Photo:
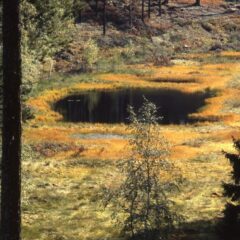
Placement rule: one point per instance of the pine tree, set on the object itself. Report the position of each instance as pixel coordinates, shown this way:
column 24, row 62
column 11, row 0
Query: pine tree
column 231, row 226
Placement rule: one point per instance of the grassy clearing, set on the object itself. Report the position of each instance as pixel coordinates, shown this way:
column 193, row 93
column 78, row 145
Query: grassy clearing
column 64, row 173
column 59, row 81
column 65, row 204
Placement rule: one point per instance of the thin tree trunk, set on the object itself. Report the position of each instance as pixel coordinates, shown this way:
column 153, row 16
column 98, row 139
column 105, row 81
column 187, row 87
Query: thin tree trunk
column 130, row 13
column 198, row 3
column 149, row 8
column 96, row 7
column 11, row 132
column 159, row 7
column 104, row 17
column 148, row 183
column 143, row 2
column 80, row 16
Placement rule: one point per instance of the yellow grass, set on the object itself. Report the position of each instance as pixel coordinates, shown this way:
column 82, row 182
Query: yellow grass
column 196, row 149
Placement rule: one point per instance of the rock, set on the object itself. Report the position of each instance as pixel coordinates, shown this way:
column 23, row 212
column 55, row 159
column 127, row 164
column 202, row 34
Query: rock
column 157, row 40
column 231, row 10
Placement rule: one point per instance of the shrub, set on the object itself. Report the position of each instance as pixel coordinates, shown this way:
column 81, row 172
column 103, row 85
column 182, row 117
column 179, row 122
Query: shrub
column 90, row 55
column 142, row 195
column 46, row 28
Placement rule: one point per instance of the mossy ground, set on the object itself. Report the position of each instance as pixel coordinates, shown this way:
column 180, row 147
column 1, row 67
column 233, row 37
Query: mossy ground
column 63, row 173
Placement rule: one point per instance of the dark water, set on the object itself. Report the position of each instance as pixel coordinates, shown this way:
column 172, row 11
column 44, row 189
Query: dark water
column 111, row 106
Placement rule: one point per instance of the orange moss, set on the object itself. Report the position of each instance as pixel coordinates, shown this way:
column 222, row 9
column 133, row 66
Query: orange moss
column 179, row 76
column 230, row 54
column 183, row 152
column 185, row 140
column 42, row 104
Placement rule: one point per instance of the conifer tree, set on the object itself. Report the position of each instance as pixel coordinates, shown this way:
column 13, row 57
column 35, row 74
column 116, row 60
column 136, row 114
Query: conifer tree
column 232, row 191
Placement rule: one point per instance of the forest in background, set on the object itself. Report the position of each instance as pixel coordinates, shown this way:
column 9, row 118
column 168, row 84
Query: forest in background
column 50, row 34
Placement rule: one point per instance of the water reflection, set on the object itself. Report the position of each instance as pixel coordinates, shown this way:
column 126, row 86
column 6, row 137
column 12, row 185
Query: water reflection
column 111, row 106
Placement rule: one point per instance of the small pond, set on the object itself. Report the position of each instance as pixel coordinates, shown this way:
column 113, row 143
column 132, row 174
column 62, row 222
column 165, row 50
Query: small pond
column 110, row 106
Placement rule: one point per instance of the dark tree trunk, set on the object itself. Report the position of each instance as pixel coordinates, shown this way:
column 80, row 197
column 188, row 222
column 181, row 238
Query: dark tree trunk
column 104, row 17
column 80, row 16
column 143, row 2
column 198, row 3
column 131, row 13
column 11, row 132
column 96, row 7
column 149, row 8
column 159, row 7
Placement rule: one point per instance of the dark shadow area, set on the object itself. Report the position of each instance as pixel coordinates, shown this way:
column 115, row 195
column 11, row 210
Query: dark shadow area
column 228, row 230
column 150, row 235
column 111, row 106
column 198, row 230
column 205, row 230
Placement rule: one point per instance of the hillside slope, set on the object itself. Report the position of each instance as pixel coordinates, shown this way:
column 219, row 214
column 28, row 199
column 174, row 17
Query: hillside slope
column 182, row 28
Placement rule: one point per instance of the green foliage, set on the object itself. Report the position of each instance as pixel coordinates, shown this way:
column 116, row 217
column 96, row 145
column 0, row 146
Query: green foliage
column 142, row 196
column 47, row 26
column 78, row 6
column 27, row 113
column 90, row 54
